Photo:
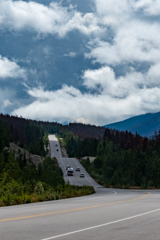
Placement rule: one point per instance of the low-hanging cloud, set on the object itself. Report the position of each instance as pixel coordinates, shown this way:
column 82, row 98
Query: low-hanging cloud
column 118, row 98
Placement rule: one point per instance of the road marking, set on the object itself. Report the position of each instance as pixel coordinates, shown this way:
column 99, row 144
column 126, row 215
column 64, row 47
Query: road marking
column 63, row 165
column 102, row 225
column 89, row 182
column 84, row 170
column 70, row 180
column 74, row 171
column 66, row 171
column 77, row 177
column 76, row 209
column 75, row 162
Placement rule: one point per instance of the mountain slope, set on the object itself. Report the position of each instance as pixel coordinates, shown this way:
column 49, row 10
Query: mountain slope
column 145, row 125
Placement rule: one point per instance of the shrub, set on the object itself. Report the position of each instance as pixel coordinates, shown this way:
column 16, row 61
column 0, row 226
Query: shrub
column 39, row 189
column 15, row 193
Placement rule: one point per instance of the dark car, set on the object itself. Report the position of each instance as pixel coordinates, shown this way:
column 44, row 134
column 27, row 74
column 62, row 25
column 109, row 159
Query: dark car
column 57, row 150
column 82, row 175
column 78, row 169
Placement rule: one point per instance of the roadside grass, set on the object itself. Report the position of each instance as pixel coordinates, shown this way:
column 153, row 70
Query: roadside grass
column 15, row 193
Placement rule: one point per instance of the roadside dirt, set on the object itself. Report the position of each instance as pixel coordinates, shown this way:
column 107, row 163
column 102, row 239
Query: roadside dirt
column 31, row 158
column 91, row 159
column 63, row 150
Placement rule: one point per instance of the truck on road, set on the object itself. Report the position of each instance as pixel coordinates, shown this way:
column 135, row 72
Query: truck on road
column 70, row 171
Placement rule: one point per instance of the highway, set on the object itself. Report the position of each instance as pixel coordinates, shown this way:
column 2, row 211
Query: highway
column 106, row 215
column 73, row 162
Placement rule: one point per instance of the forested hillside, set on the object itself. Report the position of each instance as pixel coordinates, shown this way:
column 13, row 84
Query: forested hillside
column 26, row 132
column 145, row 124
column 30, row 134
column 21, row 181
column 86, row 131
column 123, row 159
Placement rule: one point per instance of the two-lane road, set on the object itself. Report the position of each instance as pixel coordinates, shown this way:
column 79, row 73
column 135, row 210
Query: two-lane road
column 108, row 214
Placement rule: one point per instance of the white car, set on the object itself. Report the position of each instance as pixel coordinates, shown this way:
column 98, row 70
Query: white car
column 82, row 175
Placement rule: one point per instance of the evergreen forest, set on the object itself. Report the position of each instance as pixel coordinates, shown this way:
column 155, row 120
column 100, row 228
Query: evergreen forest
column 123, row 159
column 21, row 181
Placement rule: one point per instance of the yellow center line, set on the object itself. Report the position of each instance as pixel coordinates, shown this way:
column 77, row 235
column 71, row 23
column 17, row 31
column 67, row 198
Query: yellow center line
column 73, row 210
column 77, row 177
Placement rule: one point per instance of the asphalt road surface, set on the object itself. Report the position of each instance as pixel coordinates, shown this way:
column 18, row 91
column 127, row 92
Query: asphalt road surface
column 55, row 151
column 109, row 214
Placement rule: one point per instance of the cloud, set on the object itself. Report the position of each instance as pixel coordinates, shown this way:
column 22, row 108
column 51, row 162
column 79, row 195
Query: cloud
column 10, row 69
column 95, row 109
column 52, row 19
column 131, row 37
column 154, row 74
column 7, row 103
column 8, row 100
column 99, row 79
column 117, row 99
column 149, row 7
column 71, row 54
column 123, row 34
column 135, row 41
column 105, row 81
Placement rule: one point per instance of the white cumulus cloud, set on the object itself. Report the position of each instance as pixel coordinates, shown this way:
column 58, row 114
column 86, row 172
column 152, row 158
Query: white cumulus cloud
column 52, row 19
column 117, row 99
column 10, row 69
column 149, row 7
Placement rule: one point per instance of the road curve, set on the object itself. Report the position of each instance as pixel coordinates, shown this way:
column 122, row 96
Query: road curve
column 108, row 214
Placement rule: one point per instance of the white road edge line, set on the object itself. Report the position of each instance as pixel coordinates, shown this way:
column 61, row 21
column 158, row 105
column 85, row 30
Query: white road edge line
column 70, row 180
column 89, row 182
column 66, row 171
column 102, row 225
column 84, row 170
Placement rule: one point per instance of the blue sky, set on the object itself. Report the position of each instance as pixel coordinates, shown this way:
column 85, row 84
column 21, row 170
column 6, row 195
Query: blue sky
column 90, row 61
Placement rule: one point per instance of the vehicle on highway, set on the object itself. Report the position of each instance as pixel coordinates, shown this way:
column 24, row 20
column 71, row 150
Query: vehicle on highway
column 78, row 169
column 68, row 166
column 70, row 172
column 82, row 175
column 57, row 149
